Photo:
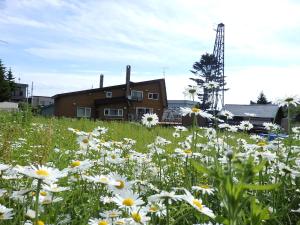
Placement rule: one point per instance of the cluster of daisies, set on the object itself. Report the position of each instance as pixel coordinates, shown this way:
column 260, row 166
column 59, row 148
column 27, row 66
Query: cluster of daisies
column 151, row 186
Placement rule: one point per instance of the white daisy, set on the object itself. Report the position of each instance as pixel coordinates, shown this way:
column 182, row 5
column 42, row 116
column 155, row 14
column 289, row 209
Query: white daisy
column 149, row 119
column 94, row 221
column 197, row 204
column 41, row 172
column 128, row 199
column 5, row 213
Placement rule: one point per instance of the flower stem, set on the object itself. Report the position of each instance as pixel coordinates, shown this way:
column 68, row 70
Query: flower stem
column 37, row 196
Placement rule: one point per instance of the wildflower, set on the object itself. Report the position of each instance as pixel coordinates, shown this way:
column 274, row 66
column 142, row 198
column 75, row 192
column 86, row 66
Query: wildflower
column 204, row 188
column 79, row 166
column 175, row 135
column 44, row 173
column 54, row 188
column 94, row 221
column 180, row 128
column 289, row 100
column 191, row 91
column 30, row 214
column 157, row 208
column 296, row 130
column 164, row 195
column 5, row 213
column 149, row 119
column 271, row 126
column 120, row 183
column 128, row 199
column 245, row 125
column 195, row 111
column 139, row 217
column 226, row 114
column 111, row 214
column 197, row 204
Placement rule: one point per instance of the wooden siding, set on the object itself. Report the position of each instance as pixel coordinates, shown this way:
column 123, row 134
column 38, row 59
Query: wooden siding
column 66, row 104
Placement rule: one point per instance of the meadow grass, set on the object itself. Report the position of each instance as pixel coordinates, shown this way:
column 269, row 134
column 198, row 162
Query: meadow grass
column 234, row 179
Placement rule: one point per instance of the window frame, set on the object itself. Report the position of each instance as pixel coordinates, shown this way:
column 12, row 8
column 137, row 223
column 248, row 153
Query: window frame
column 87, row 112
column 119, row 114
column 108, row 94
column 137, row 98
column 150, row 95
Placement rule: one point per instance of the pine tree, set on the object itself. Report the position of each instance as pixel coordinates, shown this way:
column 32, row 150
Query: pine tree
column 205, row 69
column 11, row 80
column 4, row 84
column 262, row 99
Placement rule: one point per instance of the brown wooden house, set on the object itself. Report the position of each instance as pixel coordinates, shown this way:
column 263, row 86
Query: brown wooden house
column 128, row 101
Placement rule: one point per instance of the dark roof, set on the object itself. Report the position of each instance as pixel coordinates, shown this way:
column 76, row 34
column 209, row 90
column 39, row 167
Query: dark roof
column 260, row 110
column 107, row 88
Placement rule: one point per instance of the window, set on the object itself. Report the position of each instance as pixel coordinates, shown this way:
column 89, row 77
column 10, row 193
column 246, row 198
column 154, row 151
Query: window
column 140, row 111
column 113, row 112
column 108, row 94
column 83, row 112
column 153, row 96
column 136, row 95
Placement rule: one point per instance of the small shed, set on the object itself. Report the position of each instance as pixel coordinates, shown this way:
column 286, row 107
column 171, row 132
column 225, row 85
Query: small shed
column 257, row 114
column 9, row 106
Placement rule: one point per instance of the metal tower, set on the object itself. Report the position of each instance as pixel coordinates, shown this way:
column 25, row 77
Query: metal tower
column 219, row 76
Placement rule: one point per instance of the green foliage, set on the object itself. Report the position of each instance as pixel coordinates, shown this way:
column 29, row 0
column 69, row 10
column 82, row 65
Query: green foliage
column 262, row 99
column 7, row 84
column 205, row 70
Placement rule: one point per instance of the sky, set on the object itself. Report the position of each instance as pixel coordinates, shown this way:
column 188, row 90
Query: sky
column 64, row 45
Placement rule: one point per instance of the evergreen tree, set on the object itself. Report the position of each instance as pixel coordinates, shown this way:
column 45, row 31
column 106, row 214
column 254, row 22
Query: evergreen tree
column 4, row 84
column 206, row 70
column 262, row 99
column 11, row 80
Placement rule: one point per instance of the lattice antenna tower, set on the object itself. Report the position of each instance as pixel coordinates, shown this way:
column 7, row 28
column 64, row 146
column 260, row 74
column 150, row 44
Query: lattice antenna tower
column 219, row 76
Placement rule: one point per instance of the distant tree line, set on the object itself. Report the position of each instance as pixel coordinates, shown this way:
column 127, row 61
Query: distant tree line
column 7, row 83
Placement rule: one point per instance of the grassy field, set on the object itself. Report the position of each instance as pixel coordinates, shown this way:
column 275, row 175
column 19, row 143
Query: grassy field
column 69, row 171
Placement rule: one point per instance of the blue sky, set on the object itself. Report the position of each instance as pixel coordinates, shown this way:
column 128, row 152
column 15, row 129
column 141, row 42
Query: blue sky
column 64, row 45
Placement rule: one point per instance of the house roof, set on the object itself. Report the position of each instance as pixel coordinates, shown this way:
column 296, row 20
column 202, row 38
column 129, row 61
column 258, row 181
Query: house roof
column 260, row 110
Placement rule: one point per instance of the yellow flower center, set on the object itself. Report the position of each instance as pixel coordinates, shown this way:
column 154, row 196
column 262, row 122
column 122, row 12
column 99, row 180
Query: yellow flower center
column 121, row 185
column 43, row 193
column 205, row 186
column 113, row 156
column 113, row 215
column 120, row 222
column 136, row 217
column 261, row 143
column 128, row 202
column 195, row 110
column 75, row 164
column 103, row 222
column 85, row 141
column 153, row 208
column 42, row 172
column 188, row 151
column 40, row 222
column 197, row 203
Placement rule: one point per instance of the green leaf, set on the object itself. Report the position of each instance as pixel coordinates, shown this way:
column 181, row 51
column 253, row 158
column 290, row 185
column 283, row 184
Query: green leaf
column 200, row 168
column 257, row 187
column 259, row 167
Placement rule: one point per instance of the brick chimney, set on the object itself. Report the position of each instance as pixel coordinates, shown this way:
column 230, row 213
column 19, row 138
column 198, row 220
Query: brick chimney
column 128, row 69
column 101, row 81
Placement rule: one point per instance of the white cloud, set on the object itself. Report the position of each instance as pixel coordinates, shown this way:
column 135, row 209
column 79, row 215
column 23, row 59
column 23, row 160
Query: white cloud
column 152, row 34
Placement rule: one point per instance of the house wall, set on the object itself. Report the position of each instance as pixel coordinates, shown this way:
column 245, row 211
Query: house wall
column 66, row 105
